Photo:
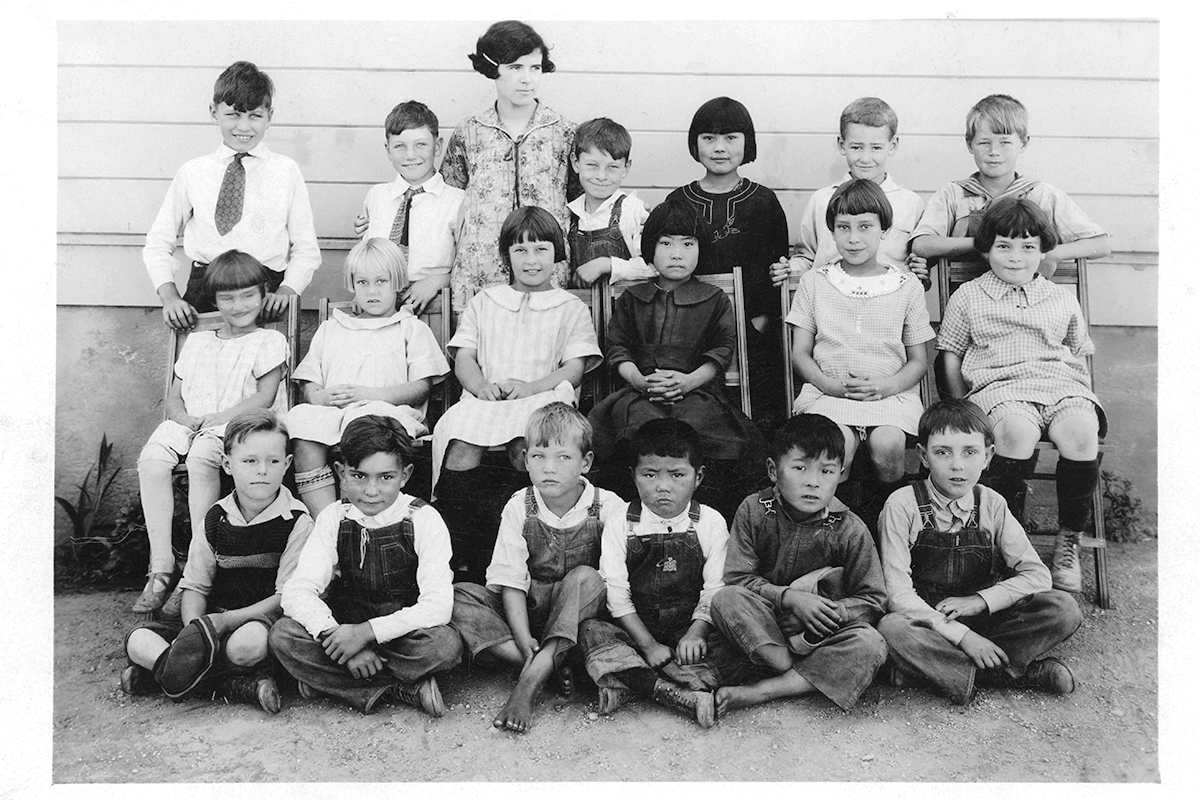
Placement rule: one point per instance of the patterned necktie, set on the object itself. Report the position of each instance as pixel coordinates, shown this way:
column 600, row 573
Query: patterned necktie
column 399, row 233
column 233, row 190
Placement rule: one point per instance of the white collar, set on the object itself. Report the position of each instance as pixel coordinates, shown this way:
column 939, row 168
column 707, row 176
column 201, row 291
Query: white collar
column 509, row 298
column 227, row 153
column 389, row 516
column 368, row 323
column 579, row 208
column 586, row 498
column 888, row 184
column 435, row 185
column 680, row 521
column 284, row 505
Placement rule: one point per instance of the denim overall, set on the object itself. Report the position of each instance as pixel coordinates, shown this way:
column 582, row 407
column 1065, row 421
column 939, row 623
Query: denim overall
column 553, row 552
column 378, row 570
column 586, row 245
column 666, row 574
column 247, row 558
column 952, row 564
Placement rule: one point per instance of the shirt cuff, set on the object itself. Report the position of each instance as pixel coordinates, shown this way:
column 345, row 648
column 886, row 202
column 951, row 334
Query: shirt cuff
column 774, row 594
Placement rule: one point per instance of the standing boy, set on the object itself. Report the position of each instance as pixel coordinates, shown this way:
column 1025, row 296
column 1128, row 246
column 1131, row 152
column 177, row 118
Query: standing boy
column 242, row 197
column 786, row 542
column 231, row 585
column 967, row 593
column 368, row 607
column 606, row 223
column 418, row 211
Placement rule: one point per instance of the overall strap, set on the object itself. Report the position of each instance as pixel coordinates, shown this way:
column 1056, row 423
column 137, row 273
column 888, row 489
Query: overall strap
column 531, row 506
column 633, row 515
column 594, row 508
column 973, row 522
column 694, row 513
column 614, row 216
column 925, row 505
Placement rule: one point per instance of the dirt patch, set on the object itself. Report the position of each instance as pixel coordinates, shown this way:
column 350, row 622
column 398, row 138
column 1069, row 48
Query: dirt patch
column 1106, row 731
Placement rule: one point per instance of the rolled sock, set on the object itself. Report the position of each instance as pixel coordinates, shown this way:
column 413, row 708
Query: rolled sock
column 1076, row 481
column 313, row 479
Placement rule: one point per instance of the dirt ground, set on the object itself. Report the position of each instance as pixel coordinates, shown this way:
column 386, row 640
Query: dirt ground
column 1107, row 731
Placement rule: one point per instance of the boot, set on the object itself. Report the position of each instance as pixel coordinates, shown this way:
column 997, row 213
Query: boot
column 423, row 695
column 1065, row 573
column 257, row 689
column 698, row 705
column 136, row 680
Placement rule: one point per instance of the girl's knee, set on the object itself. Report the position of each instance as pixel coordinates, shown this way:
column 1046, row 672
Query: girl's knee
column 1077, row 437
column 310, row 455
column 1016, row 437
column 247, row 645
column 462, row 456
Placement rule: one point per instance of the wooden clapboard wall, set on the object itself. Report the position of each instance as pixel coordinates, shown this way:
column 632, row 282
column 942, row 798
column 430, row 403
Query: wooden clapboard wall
column 133, row 102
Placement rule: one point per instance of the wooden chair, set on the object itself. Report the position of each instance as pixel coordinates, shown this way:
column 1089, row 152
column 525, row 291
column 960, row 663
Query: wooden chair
column 951, row 275
column 736, row 376
column 595, row 384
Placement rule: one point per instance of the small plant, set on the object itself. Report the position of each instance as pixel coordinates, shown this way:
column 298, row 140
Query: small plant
column 91, row 493
column 1125, row 518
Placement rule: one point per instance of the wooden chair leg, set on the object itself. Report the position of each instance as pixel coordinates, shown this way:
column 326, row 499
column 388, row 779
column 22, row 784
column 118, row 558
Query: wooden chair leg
column 1100, row 552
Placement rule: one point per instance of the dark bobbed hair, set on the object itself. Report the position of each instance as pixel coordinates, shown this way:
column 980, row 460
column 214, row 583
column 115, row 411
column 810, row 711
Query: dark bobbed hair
column 669, row 438
column 374, row 433
column 1016, row 218
column 505, row 42
column 813, row 435
column 243, row 87
column 859, row 196
column 559, row 422
column 256, row 420
column 533, row 224
column 674, row 217
column 723, row 115
column 954, row 414
column 410, row 114
column 604, row 135
column 234, row 270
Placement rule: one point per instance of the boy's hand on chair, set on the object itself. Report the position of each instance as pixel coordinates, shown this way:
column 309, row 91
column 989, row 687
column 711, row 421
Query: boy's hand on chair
column 656, row 654
column 587, row 274
column 361, row 223
column 819, row 615
column 276, row 303
column 364, row 663
column 346, row 641
column 692, row 649
column 983, row 651
column 920, row 268
column 419, row 294
column 781, row 270
column 955, row 607
column 179, row 313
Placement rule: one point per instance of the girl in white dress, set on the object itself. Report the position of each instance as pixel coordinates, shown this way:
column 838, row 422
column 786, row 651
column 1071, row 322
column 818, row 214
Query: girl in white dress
column 517, row 348
column 859, row 329
column 379, row 360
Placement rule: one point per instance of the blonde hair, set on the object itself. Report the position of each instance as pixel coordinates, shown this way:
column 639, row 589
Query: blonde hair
column 559, row 422
column 1003, row 114
column 380, row 254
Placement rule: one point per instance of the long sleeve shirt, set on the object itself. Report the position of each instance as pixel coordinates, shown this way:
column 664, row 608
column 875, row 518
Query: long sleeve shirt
column 900, row 525
column 318, row 566
column 434, row 222
column 276, row 226
column 711, row 531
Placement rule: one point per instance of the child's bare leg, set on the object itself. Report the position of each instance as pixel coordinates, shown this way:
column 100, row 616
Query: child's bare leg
column 247, row 645
column 886, row 443
column 1016, row 437
column 144, row 647
column 507, row 652
column 516, row 453
column 851, row 448
column 462, row 456
column 204, row 478
column 314, row 479
column 158, row 504
column 788, row 683
column 1076, row 437
column 517, row 714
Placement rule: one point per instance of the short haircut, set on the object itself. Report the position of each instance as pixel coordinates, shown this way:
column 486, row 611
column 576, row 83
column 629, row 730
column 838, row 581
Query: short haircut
column 532, row 224
column 373, row 433
column 234, row 270
column 559, row 422
column 256, row 420
column 869, row 111
column 604, row 135
column 669, row 438
column 379, row 254
column 410, row 115
column 723, row 115
column 505, row 42
column 674, row 217
column 954, row 414
column 1003, row 114
column 243, row 87
column 813, row 435
column 1016, row 218
column 859, row 196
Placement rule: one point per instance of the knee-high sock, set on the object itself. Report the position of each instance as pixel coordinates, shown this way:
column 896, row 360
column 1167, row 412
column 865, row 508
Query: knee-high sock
column 1076, row 480
column 1007, row 476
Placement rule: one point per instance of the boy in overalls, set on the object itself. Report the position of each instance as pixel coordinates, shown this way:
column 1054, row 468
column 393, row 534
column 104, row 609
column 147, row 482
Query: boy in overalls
column 662, row 562
column 966, row 590
column 542, row 581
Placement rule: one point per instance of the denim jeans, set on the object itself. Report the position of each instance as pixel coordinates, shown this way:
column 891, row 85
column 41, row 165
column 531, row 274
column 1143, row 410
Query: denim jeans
column 1024, row 631
column 608, row 649
column 842, row 666
column 410, row 659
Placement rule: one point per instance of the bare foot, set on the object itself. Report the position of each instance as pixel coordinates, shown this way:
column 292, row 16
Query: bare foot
column 517, row 714
column 730, row 698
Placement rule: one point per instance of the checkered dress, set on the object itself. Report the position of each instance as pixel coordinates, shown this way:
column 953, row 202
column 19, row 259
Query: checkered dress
column 1024, row 343
column 217, row 374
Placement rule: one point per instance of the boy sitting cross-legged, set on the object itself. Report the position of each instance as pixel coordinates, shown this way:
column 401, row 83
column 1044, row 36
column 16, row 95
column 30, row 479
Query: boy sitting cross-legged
column 965, row 587
column 542, row 581
column 368, row 606
column 786, row 544
column 236, row 567
column 662, row 562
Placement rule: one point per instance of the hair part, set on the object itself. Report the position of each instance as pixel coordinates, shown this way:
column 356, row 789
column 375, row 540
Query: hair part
column 410, row 115
column 379, row 255
column 814, row 435
column 373, row 433
column 232, row 271
column 256, row 420
column 723, row 115
column 667, row 437
column 869, row 111
column 859, row 196
column 530, row 224
column 561, row 423
column 243, row 87
column 1016, row 218
column 605, row 135
column 505, row 42
column 954, row 414
column 1002, row 113
column 674, row 217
